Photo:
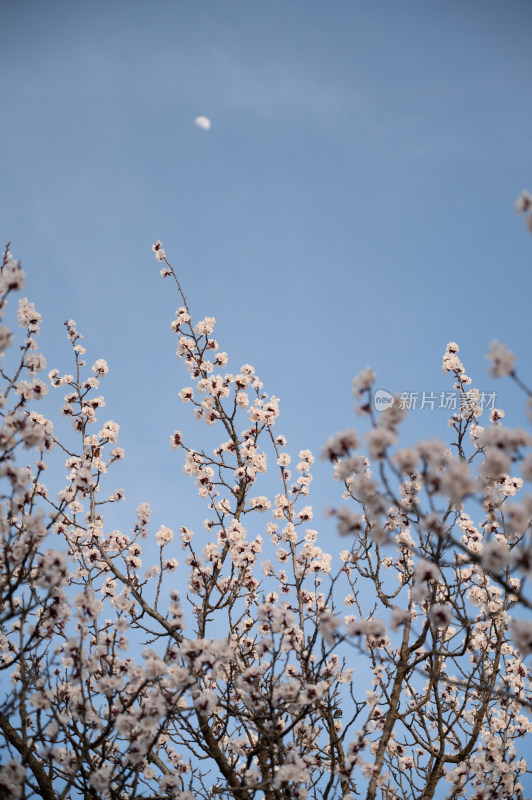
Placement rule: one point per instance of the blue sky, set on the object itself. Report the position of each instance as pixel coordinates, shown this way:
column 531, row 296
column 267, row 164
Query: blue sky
column 351, row 205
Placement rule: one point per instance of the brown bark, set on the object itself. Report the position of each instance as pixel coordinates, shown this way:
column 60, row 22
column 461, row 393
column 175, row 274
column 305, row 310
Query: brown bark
column 43, row 781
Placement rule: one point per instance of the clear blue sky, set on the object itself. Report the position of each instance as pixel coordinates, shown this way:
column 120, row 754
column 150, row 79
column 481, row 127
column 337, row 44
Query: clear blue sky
column 351, row 205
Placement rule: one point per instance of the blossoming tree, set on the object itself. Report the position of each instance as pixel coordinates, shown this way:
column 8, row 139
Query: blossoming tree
column 253, row 685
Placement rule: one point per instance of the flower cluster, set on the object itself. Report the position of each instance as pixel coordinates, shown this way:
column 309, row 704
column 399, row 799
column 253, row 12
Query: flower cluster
column 523, row 205
column 281, row 669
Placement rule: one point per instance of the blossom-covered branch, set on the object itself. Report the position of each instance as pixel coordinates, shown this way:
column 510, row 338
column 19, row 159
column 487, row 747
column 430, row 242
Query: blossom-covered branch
column 390, row 669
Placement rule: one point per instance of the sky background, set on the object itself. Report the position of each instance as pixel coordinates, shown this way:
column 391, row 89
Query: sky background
column 352, row 203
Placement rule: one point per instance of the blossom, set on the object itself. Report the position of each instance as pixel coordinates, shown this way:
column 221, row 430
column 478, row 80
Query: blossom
column 340, row 445
column 495, row 556
column 157, row 248
column 426, row 571
column 398, row 617
column 87, row 603
column 109, row 431
column 31, row 391
column 12, row 778
column 522, row 560
column 306, row 456
column 35, row 362
column 12, row 277
column 186, row 394
column 6, row 338
column 27, row 316
column 517, row 517
column 522, row 634
column 379, row 440
column 406, row 459
column 451, row 362
column 363, row 381
column 260, row 503
column 369, row 627
column 495, row 465
column 349, row 600
column 329, row 624
column 242, row 400
column 523, row 203
column 305, row 514
column 176, row 440
column 440, row 615
column 205, row 327
column 164, row 535
column 100, row 367
column 349, row 521
column 457, row 482
column 502, row 359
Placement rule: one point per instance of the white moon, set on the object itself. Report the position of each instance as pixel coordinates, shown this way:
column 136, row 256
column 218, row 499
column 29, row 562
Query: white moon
column 203, row 122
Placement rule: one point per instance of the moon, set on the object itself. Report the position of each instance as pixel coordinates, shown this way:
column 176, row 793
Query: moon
column 203, row 122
